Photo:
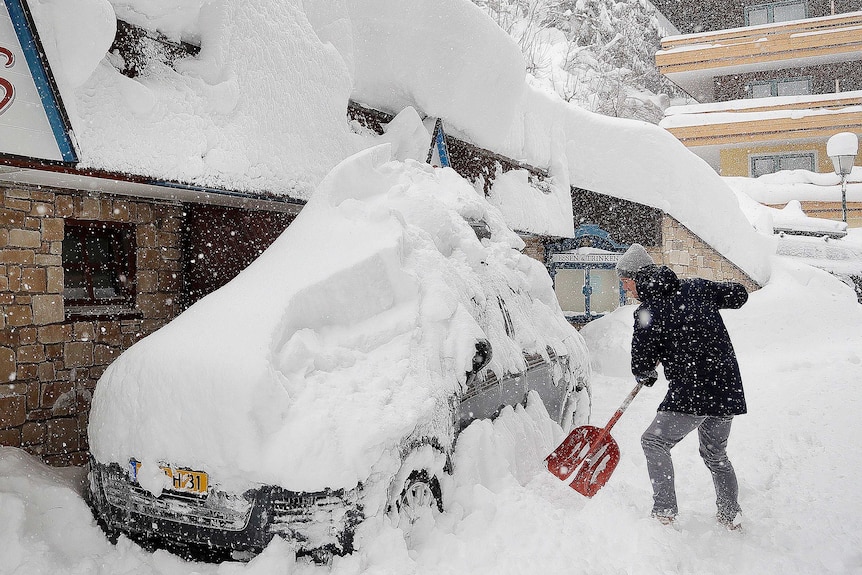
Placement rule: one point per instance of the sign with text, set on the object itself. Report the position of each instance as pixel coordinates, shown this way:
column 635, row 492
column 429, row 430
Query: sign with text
column 31, row 121
column 579, row 258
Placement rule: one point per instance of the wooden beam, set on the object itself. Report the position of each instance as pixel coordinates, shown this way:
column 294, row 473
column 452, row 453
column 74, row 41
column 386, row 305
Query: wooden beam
column 807, row 127
column 751, row 105
column 749, row 32
column 831, row 35
column 769, row 49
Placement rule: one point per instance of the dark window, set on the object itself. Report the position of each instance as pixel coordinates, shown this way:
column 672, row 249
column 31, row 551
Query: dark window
column 772, row 12
column 98, row 266
column 781, row 87
column 223, row 241
column 768, row 164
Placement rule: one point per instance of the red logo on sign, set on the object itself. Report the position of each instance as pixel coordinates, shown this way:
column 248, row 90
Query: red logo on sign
column 8, row 88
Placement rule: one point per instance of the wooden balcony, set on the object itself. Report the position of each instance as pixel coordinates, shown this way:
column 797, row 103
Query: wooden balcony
column 764, row 120
column 692, row 60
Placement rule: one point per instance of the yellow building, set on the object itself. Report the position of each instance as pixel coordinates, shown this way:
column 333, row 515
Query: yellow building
column 773, row 81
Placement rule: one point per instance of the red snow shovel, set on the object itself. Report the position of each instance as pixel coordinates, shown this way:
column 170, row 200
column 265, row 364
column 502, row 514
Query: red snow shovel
column 589, row 453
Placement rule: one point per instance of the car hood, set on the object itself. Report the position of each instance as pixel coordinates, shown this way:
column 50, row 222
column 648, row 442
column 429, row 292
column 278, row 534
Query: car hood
column 348, row 335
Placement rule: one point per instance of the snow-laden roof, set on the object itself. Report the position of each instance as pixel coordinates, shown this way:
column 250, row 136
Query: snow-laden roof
column 831, row 245
column 842, row 258
column 801, row 185
column 262, row 106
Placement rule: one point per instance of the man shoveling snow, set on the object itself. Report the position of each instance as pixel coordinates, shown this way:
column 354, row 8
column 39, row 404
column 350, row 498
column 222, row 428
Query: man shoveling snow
column 678, row 324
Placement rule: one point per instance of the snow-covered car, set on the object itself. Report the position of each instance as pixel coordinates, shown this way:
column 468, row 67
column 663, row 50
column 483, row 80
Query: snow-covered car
column 327, row 383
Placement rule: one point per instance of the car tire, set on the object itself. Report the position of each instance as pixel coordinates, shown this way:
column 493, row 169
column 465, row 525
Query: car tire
column 417, row 506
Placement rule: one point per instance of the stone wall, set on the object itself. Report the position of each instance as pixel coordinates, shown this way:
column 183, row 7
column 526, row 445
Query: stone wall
column 49, row 363
column 689, row 256
column 535, row 247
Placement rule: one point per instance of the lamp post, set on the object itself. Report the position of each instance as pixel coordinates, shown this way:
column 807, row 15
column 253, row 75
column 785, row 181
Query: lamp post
column 842, row 148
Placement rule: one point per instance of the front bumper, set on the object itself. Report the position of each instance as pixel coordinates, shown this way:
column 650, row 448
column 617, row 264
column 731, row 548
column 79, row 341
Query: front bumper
column 223, row 524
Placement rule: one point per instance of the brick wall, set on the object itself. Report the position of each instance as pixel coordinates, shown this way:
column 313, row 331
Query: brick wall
column 535, row 247
column 49, row 364
column 689, row 256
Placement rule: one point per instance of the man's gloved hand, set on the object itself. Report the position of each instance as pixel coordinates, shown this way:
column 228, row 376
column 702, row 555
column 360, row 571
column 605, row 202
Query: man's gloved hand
column 648, row 378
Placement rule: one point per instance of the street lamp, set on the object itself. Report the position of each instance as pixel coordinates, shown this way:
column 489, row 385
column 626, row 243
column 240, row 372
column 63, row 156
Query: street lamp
column 842, row 148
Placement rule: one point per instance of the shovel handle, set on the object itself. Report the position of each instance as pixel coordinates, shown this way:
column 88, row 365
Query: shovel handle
column 623, row 407
column 617, row 414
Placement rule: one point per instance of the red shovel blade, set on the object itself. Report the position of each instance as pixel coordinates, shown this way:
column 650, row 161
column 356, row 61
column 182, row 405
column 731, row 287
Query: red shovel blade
column 590, row 454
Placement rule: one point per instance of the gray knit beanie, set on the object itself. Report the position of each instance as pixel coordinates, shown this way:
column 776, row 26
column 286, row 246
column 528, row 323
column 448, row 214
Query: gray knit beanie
column 633, row 260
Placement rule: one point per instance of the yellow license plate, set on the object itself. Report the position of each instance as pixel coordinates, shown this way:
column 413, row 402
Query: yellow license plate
column 187, row 480
column 184, row 480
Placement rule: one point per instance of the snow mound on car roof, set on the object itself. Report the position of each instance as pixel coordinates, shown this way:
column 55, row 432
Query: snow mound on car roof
column 347, row 335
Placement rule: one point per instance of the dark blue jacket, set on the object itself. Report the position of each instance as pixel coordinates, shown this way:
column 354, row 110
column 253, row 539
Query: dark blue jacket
column 678, row 325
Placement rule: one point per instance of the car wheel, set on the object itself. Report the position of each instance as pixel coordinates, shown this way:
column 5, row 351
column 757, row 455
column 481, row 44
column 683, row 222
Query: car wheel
column 418, row 505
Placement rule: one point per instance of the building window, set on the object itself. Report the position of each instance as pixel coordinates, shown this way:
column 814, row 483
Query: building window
column 772, row 12
column 98, row 267
column 782, row 87
column 768, row 164
column 588, row 292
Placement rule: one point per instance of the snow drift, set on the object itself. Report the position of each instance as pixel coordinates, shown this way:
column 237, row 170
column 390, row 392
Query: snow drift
column 363, row 309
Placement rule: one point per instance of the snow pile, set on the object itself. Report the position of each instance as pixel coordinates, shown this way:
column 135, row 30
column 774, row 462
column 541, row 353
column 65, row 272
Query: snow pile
column 249, row 113
column 517, row 199
column 610, row 342
column 792, row 217
column 54, row 515
column 832, row 246
column 786, row 185
column 366, row 309
column 444, row 57
column 768, row 220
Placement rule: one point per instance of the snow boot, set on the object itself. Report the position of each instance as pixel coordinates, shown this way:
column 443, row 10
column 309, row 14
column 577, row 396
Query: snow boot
column 731, row 524
column 663, row 519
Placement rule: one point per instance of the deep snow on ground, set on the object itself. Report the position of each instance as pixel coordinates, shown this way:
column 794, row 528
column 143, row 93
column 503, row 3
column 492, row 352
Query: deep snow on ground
column 797, row 454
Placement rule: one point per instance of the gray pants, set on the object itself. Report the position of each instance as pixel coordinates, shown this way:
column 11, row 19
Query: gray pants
column 667, row 429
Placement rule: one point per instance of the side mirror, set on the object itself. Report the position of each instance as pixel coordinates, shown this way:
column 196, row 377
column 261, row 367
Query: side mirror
column 481, row 358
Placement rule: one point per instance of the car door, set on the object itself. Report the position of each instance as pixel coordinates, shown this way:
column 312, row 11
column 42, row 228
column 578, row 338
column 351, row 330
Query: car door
column 480, row 400
column 546, row 377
